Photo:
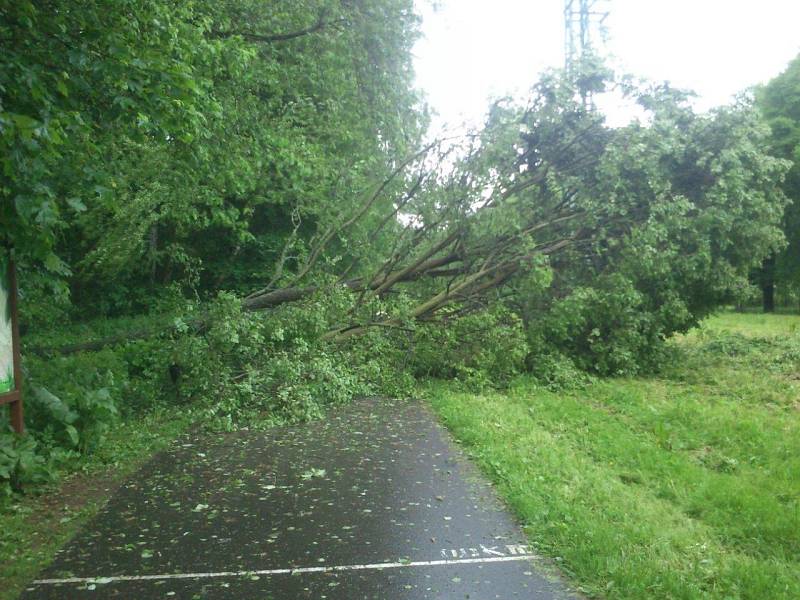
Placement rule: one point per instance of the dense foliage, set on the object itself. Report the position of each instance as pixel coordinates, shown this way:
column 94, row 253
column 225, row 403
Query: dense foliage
column 692, row 203
column 779, row 101
column 228, row 206
column 145, row 144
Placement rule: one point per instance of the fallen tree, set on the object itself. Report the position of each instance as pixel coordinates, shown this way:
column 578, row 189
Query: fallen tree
column 545, row 187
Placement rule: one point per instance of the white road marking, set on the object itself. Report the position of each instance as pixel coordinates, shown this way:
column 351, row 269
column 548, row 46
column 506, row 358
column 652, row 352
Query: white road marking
column 297, row 571
column 510, row 549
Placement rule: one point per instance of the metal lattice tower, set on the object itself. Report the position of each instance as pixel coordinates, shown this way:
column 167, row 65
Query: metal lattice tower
column 584, row 27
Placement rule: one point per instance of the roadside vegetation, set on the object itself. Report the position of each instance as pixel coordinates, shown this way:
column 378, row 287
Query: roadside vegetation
column 683, row 484
column 229, row 213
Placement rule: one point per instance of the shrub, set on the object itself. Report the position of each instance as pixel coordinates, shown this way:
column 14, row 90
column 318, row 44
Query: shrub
column 609, row 329
column 484, row 348
column 20, row 463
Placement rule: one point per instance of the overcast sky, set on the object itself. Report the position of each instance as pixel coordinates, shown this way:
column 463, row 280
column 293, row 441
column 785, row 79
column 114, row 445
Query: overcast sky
column 474, row 50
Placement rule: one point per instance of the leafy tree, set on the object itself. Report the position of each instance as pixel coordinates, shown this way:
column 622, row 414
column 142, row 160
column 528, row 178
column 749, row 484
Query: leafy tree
column 301, row 128
column 259, row 167
column 604, row 240
column 78, row 79
column 243, row 186
column 779, row 101
column 145, row 145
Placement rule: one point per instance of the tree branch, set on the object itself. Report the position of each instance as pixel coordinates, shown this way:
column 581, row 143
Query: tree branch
column 321, row 24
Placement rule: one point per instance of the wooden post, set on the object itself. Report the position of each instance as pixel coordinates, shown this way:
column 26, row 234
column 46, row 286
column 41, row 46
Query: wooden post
column 14, row 397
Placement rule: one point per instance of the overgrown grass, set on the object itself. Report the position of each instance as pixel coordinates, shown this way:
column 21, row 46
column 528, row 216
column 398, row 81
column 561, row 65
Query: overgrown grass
column 34, row 527
column 685, row 485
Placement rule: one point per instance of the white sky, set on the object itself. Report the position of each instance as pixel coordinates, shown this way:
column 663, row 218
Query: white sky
column 474, row 50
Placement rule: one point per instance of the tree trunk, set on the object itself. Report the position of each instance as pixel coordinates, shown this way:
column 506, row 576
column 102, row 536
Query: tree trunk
column 769, row 297
column 768, row 284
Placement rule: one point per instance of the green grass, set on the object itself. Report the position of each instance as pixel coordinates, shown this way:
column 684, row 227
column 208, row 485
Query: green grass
column 754, row 324
column 33, row 528
column 681, row 486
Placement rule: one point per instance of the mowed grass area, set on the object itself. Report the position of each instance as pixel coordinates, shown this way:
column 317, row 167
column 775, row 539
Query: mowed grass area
column 685, row 485
column 752, row 324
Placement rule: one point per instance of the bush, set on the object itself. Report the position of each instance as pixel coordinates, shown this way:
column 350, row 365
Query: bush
column 484, row 348
column 554, row 371
column 73, row 400
column 20, row 463
column 610, row 329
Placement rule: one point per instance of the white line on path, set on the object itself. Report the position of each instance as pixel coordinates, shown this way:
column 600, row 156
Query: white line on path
column 300, row 570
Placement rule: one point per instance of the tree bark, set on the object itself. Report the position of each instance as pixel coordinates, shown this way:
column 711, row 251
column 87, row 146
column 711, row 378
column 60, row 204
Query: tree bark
column 768, row 284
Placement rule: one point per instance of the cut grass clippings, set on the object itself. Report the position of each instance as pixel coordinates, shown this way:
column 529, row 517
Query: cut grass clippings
column 683, row 486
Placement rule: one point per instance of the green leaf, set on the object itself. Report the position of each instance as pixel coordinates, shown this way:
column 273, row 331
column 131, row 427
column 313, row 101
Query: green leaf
column 76, row 204
column 73, row 434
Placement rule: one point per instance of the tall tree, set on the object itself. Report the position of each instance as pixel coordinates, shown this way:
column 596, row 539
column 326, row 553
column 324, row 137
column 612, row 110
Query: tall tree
column 74, row 78
column 644, row 229
column 779, row 101
column 145, row 145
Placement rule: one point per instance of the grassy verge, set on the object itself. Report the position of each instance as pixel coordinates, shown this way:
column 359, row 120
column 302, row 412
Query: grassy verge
column 33, row 528
column 752, row 324
column 682, row 486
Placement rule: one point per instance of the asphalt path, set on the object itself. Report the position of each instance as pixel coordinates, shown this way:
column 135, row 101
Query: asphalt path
column 373, row 502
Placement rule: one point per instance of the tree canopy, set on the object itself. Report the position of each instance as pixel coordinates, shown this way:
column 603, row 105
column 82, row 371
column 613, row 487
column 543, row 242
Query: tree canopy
column 779, row 101
column 146, row 144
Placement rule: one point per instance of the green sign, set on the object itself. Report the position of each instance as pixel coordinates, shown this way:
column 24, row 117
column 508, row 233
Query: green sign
column 6, row 339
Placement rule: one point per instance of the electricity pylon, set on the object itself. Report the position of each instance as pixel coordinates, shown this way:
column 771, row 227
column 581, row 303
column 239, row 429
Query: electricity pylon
column 584, row 27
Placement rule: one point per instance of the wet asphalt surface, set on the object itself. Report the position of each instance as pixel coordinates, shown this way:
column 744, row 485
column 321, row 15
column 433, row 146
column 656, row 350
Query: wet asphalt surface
column 373, row 502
